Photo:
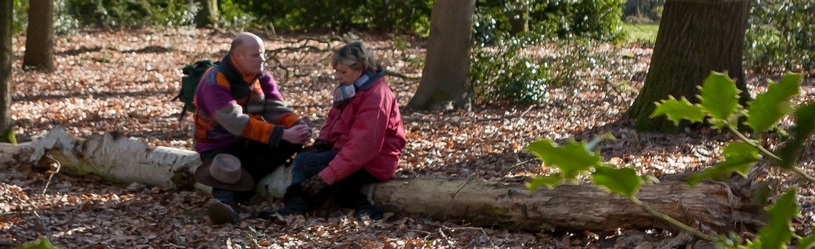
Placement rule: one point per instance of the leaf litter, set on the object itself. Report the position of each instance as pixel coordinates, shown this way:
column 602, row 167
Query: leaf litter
column 124, row 81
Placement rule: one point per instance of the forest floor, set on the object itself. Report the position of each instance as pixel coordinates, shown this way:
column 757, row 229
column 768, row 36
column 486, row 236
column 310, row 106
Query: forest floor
column 124, row 81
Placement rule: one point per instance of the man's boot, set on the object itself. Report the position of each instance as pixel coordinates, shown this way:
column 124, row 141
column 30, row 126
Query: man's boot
column 221, row 213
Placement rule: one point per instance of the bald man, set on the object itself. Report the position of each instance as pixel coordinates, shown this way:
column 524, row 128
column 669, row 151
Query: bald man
column 239, row 111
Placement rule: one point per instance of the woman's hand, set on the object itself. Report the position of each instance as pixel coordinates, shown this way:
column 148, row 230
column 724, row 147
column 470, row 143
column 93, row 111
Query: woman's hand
column 313, row 185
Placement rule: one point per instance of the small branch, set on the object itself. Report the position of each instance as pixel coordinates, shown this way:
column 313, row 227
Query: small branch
column 751, row 143
column 516, row 165
column 471, row 228
column 401, row 76
column 52, row 173
column 459, row 189
column 671, row 220
column 803, row 174
column 768, row 153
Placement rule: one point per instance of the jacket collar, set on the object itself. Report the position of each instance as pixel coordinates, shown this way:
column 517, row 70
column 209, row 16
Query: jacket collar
column 233, row 72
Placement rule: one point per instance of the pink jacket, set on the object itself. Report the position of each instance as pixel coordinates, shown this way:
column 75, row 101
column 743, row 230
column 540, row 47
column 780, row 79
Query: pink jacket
column 369, row 133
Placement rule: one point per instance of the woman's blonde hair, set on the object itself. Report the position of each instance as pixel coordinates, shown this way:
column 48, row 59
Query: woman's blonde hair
column 356, row 56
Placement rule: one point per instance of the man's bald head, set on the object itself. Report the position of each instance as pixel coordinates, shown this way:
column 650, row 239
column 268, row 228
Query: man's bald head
column 248, row 51
column 243, row 39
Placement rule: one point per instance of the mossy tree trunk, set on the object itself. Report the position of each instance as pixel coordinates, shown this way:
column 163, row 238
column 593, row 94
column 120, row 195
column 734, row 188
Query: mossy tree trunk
column 208, row 15
column 444, row 84
column 6, row 53
column 695, row 37
column 39, row 42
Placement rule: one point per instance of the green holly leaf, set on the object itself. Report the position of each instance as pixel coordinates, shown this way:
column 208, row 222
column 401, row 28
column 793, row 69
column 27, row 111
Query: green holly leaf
column 623, row 181
column 41, row 243
column 769, row 107
column 738, row 157
column 572, row 158
column 804, row 126
column 676, row 110
column 719, row 95
column 806, row 242
column 778, row 231
column 549, row 181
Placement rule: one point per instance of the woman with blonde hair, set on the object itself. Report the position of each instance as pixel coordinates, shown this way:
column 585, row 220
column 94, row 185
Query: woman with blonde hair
column 360, row 143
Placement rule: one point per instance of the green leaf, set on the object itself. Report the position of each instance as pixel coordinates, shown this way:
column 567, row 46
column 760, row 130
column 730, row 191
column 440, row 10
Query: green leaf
column 769, row 107
column 806, row 242
column 676, row 110
column 41, row 243
column 623, row 181
column 738, row 157
column 572, row 158
column 548, row 181
column 804, row 126
column 778, row 230
column 719, row 95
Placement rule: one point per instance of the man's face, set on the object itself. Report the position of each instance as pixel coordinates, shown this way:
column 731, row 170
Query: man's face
column 251, row 57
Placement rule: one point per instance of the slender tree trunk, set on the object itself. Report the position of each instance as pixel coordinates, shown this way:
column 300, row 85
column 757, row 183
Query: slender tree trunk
column 632, row 8
column 208, row 15
column 6, row 53
column 39, row 43
column 694, row 38
column 444, row 83
column 519, row 21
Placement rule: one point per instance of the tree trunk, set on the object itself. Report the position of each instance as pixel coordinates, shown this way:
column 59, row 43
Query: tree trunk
column 694, row 38
column 208, row 15
column 567, row 207
column 6, row 54
column 630, row 7
column 39, row 43
column 519, row 21
column 444, row 83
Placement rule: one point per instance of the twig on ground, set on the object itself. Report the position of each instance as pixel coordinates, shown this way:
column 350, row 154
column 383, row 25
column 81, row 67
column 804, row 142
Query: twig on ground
column 471, row 228
column 401, row 75
column 59, row 166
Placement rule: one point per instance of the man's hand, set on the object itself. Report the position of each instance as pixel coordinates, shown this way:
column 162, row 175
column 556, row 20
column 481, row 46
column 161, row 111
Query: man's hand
column 298, row 134
column 313, row 185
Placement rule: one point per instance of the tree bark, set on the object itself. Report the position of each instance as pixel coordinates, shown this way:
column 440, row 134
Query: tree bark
column 39, row 43
column 6, row 54
column 695, row 37
column 444, row 83
column 581, row 207
column 208, row 15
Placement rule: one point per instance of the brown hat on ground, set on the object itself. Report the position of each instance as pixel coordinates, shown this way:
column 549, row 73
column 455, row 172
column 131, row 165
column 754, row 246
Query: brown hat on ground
column 224, row 172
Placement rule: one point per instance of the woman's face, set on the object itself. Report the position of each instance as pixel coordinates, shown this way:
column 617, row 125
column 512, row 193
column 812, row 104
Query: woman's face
column 345, row 75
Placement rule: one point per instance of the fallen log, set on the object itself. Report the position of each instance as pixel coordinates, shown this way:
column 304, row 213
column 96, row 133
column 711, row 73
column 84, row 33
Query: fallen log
column 572, row 207
column 575, row 207
column 116, row 158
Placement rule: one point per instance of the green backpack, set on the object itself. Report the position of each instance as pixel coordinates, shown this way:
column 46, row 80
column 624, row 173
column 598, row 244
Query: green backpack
column 192, row 75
